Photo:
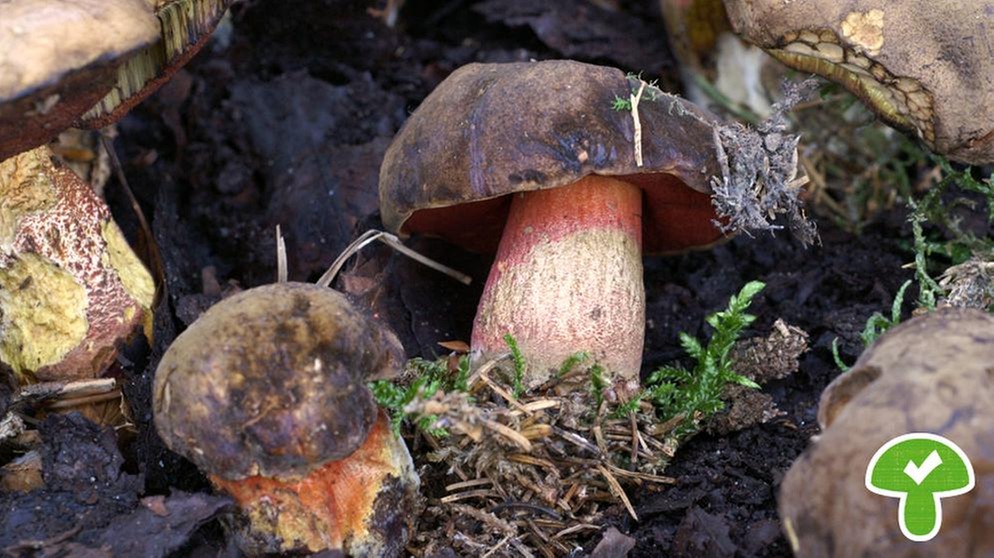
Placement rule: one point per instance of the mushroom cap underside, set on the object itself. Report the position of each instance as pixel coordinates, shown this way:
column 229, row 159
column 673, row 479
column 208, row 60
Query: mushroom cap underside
column 58, row 58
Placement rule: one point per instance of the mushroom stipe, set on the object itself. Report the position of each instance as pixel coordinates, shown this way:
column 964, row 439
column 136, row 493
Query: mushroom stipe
column 556, row 246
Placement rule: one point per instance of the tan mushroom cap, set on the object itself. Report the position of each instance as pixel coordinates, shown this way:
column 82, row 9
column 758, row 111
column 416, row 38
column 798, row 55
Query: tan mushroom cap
column 490, row 130
column 925, row 67
column 935, row 374
column 272, row 382
column 58, row 58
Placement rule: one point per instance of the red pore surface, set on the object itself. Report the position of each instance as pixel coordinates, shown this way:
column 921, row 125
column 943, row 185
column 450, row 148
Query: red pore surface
column 323, row 510
column 675, row 218
column 568, row 278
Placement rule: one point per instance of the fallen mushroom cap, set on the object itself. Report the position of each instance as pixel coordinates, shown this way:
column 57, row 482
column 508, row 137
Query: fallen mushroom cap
column 568, row 276
column 923, row 67
column 931, row 374
column 88, row 62
column 71, row 289
column 58, row 59
column 266, row 392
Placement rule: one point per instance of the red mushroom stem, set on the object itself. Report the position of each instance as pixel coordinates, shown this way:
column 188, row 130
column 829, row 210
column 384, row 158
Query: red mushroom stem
column 333, row 506
column 568, row 278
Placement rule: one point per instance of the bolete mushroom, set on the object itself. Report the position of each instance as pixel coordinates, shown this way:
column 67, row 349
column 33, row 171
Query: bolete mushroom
column 536, row 162
column 935, row 375
column 266, row 393
column 71, row 289
column 87, row 62
column 924, row 67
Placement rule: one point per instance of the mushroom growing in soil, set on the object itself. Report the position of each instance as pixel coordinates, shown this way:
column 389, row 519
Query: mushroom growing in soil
column 533, row 161
column 266, row 393
column 932, row 374
column 925, row 68
column 71, row 289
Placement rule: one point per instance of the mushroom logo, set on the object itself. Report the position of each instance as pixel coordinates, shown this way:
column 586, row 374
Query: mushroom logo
column 920, row 469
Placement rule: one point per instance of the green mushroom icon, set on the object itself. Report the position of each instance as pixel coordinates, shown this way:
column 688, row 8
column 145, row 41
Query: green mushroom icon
column 920, row 469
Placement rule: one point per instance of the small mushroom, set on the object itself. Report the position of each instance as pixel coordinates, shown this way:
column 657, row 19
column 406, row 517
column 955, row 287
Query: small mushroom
column 266, row 393
column 87, row 62
column 933, row 374
column 532, row 160
column 924, row 67
column 71, row 289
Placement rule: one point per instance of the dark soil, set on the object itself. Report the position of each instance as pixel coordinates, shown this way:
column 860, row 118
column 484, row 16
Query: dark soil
column 284, row 118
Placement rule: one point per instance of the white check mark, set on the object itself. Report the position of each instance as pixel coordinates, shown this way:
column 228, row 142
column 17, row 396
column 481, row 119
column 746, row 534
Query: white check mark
column 920, row 473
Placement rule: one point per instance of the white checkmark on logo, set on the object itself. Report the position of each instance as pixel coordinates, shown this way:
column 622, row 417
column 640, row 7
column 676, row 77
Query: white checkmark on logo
column 920, row 473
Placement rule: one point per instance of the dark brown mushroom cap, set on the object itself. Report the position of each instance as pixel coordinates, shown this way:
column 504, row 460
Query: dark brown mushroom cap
column 272, row 382
column 490, row 130
column 934, row 373
column 58, row 58
column 924, row 66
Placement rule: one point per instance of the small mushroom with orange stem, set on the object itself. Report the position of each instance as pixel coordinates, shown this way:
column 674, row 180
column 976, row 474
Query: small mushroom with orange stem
column 266, row 393
column 71, row 289
column 924, row 67
column 88, row 62
column 535, row 162
column 933, row 374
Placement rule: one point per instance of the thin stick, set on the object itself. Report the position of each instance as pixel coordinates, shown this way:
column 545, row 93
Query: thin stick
column 392, row 241
column 482, row 493
column 509, row 433
column 637, row 139
column 281, row 271
column 467, row 484
column 79, row 388
column 504, row 393
column 618, row 491
column 89, row 399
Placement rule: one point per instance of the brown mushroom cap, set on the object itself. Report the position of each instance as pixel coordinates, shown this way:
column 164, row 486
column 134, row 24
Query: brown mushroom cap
column 490, row 130
column 58, row 58
column 925, row 67
column 272, row 382
column 934, row 373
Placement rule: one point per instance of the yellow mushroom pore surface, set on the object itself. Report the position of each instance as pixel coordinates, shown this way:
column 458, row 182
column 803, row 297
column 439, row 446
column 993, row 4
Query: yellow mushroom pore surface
column 44, row 313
